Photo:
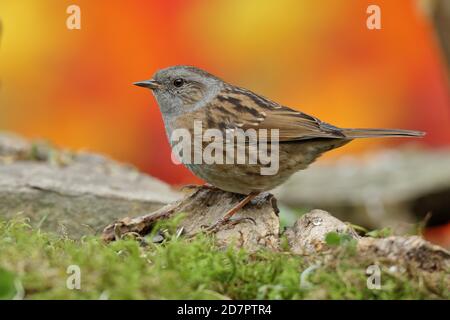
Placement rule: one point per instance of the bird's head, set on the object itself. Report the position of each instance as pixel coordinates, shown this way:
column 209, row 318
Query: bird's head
column 181, row 89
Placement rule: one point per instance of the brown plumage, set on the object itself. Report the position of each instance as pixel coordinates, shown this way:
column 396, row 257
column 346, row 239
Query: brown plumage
column 303, row 138
column 187, row 94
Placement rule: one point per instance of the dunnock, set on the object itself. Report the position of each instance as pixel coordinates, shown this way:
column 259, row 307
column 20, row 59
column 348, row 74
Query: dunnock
column 186, row 94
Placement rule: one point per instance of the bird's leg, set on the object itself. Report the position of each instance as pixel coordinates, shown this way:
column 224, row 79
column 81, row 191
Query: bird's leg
column 226, row 218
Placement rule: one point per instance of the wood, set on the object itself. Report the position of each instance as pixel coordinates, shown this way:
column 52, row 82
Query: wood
column 258, row 226
column 78, row 193
column 306, row 237
column 79, row 189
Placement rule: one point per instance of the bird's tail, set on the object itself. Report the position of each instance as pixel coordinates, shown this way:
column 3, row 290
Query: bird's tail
column 372, row 133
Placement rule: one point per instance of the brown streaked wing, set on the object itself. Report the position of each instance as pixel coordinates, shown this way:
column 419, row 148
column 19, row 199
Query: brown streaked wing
column 240, row 108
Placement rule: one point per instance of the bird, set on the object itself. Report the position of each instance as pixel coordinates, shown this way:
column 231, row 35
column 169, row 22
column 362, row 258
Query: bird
column 187, row 94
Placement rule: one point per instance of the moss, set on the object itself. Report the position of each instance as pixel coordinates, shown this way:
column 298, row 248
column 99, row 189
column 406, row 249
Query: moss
column 33, row 264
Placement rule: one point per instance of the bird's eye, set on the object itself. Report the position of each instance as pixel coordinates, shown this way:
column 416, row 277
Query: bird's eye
column 178, row 82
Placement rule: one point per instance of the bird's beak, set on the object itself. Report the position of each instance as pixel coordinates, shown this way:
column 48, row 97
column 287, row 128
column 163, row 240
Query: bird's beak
column 151, row 84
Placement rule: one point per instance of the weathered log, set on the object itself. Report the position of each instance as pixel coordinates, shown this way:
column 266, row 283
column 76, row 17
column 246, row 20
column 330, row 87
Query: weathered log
column 411, row 250
column 257, row 226
column 76, row 192
column 254, row 226
column 55, row 187
column 307, row 235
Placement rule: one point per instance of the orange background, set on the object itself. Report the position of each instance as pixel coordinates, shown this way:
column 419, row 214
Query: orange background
column 74, row 87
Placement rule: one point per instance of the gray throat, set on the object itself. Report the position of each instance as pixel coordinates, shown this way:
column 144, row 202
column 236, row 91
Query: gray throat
column 170, row 117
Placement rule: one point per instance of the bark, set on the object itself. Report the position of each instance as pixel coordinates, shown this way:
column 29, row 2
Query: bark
column 83, row 192
column 77, row 193
column 411, row 250
column 261, row 230
column 307, row 235
column 253, row 227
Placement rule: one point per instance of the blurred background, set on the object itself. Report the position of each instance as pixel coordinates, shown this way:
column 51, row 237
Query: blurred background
column 74, row 87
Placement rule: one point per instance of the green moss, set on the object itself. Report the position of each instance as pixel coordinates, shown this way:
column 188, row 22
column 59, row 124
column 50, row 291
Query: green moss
column 35, row 263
